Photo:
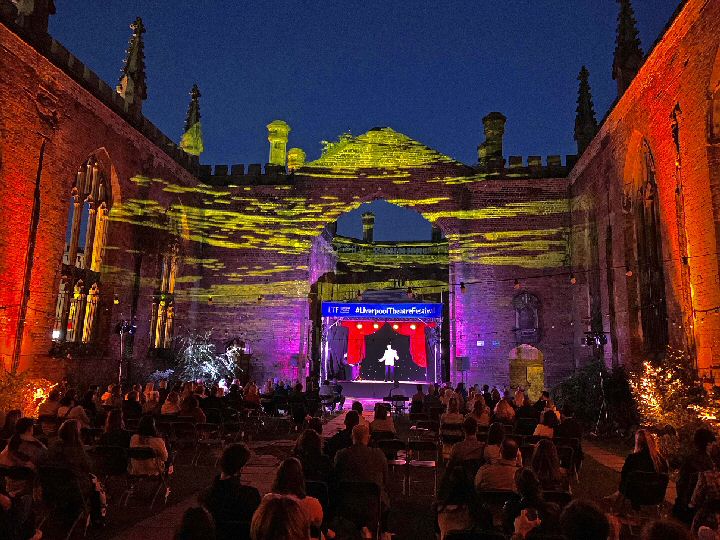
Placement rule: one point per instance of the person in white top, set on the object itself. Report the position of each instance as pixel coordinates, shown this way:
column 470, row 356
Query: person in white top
column 389, row 359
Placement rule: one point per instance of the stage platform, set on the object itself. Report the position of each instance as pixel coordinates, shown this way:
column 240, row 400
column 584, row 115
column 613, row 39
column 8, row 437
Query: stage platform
column 378, row 389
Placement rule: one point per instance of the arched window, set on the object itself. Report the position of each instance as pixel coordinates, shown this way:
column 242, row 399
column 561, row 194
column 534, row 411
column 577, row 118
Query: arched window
column 163, row 309
column 642, row 207
column 527, row 318
column 85, row 237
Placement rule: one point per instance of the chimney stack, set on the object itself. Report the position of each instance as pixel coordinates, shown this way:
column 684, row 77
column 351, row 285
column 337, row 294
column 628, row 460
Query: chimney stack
column 368, row 221
column 492, row 148
column 278, row 138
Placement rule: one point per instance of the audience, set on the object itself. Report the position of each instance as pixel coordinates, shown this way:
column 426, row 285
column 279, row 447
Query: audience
column 499, row 474
column 705, row 499
column 50, row 406
column 227, row 499
column 495, row 436
column 147, row 436
column 69, row 410
column 417, row 400
column 280, row 517
column 191, row 407
column 692, row 465
column 469, row 447
column 481, row 412
column 504, row 412
column 459, row 508
column 131, row 407
column 342, row 439
column 197, row 524
column 529, row 497
column 583, row 520
column 358, row 408
column 383, row 421
column 546, row 465
column 22, row 450
column 308, row 449
column 172, row 404
column 289, row 480
column 360, row 463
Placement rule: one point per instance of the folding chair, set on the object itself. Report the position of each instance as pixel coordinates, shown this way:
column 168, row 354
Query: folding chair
column 494, row 501
column 146, row 454
column 377, row 436
column 361, row 503
column 213, row 416
column 435, row 412
column 415, row 450
column 471, row 467
column 61, row 491
column 533, row 439
column 185, row 437
column 109, row 461
column 451, row 433
column 526, row 451
column 573, row 443
column 391, row 448
column 233, row 431
column 49, row 423
column 208, row 436
column 427, row 428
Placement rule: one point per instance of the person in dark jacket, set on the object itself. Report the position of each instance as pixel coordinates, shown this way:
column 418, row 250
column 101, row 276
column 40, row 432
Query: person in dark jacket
column 342, row 439
column 115, row 433
column 308, row 450
column 227, row 499
column 529, row 496
column 690, row 467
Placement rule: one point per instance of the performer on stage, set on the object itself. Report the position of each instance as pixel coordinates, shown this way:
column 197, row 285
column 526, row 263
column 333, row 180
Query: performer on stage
column 389, row 359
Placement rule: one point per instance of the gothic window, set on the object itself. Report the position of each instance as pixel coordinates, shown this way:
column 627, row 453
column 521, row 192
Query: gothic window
column 527, row 319
column 85, row 237
column 648, row 242
column 163, row 310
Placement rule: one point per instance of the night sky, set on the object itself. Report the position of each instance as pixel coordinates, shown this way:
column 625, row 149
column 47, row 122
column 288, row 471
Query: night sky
column 430, row 70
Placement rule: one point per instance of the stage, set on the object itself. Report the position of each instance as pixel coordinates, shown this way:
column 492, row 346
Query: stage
column 378, row 389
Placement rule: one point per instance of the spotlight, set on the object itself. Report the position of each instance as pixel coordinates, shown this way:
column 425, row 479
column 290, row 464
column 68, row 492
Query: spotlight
column 395, row 327
column 56, row 334
column 358, row 326
column 517, row 284
column 116, row 300
column 376, row 326
column 210, row 301
column 413, row 327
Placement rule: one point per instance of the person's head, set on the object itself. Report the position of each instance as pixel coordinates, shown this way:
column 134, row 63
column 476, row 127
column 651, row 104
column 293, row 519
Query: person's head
column 69, row 433
column 309, row 443
column 298, row 388
column 519, row 399
column 197, row 524
column 289, row 479
column 11, row 418
column 545, row 461
column 496, row 433
column 645, row 441
column 352, row 419
column 316, row 425
column 469, row 426
column 664, row 530
column 361, row 434
column 116, row 391
column 381, row 412
column 234, row 458
column 149, row 387
column 508, row 448
column 550, row 419
column 583, row 520
column 479, row 405
column 545, row 395
column 146, row 427
column 173, row 398
column 419, row 388
column 162, row 385
column 453, row 407
column 389, row 347
column 279, row 517
column 24, row 426
column 114, row 421
column 357, row 407
column 485, row 388
column 191, row 403
column 702, row 438
column 527, row 484
column 133, row 396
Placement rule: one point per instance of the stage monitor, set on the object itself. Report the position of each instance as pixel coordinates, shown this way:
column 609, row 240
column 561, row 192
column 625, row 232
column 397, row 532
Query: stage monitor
column 409, row 310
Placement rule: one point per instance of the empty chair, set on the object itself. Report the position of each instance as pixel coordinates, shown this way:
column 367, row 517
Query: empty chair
column 213, row 416
column 209, row 436
column 566, row 455
column 391, row 448
column 417, row 449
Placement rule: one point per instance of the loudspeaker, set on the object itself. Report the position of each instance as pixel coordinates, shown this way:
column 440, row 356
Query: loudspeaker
column 462, row 363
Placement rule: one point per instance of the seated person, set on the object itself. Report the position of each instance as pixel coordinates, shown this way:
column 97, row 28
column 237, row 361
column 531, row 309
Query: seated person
column 280, row 517
column 115, row 433
column 692, row 465
column 481, row 412
column 70, row 410
column 228, row 499
column 361, row 463
column 451, row 420
column 308, row 449
column 191, row 407
column 529, row 498
column 504, row 412
column 172, row 404
column 51, row 405
column 458, row 507
column 545, row 464
column 131, row 407
column 22, row 450
column 546, row 428
column 469, row 447
column 358, row 408
column 342, row 439
column 196, row 524
column 500, row 474
column 289, row 480
column 147, row 436
column 495, row 436
column 383, row 421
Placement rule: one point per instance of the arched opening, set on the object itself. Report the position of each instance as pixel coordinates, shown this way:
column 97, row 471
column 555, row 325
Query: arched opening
column 380, row 254
column 85, row 239
column 644, row 252
column 527, row 369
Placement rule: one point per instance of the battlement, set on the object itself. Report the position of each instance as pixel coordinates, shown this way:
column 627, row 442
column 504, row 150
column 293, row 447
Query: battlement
column 222, row 175
column 62, row 58
column 533, row 167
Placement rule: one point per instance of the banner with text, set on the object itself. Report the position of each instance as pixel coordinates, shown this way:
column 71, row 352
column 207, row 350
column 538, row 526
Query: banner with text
column 382, row 311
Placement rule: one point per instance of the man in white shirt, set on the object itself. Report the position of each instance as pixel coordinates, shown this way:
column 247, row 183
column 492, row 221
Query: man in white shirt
column 389, row 359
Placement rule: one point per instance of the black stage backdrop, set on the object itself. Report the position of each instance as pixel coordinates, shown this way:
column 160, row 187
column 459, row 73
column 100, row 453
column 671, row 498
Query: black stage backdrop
column 375, row 345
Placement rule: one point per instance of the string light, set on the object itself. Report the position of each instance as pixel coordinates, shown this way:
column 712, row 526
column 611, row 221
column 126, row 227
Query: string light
column 517, row 284
column 573, row 280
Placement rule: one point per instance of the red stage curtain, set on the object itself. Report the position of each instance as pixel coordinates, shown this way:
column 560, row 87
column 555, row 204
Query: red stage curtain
column 356, row 338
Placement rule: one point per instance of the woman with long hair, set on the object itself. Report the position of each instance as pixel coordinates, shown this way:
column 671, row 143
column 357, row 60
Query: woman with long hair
column 115, row 433
column 308, row 449
column 495, row 436
column 480, row 411
column 504, row 412
column 172, row 404
column 147, row 436
column 22, row 450
column 458, row 507
column 382, row 421
column 197, row 524
column 545, row 464
column 11, row 418
column 290, row 480
column 529, row 499
column 280, row 517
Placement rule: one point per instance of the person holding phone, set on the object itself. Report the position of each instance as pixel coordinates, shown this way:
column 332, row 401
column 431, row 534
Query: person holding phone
column 527, row 509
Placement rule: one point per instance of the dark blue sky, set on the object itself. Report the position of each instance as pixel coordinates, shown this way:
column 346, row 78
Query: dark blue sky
column 430, row 69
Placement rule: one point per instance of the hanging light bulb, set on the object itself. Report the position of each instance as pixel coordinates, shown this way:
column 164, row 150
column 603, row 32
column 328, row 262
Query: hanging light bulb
column 573, row 280
column 395, row 326
column 358, row 326
column 413, row 327
column 376, row 326
column 517, row 284
column 116, row 300
column 629, row 273
column 210, row 300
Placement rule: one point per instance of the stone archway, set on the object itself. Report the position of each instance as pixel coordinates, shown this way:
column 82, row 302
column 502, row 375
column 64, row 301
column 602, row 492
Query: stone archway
column 527, row 369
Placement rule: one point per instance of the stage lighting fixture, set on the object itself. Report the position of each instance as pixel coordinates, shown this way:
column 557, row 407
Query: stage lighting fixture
column 376, row 326
column 359, row 326
column 395, row 327
column 413, row 327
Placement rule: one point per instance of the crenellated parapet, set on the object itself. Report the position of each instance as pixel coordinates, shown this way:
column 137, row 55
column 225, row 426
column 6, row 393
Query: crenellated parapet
column 532, row 167
column 239, row 175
